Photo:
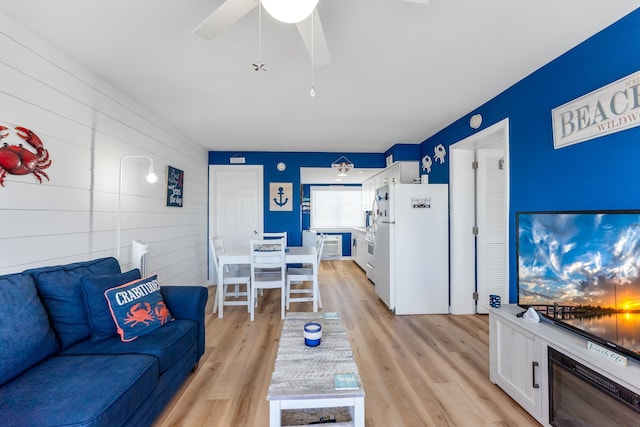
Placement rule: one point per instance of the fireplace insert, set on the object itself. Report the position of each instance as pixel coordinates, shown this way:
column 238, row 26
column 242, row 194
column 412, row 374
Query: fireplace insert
column 580, row 396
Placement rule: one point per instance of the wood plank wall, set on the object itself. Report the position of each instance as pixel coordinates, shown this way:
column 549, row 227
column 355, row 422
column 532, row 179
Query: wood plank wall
column 87, row 126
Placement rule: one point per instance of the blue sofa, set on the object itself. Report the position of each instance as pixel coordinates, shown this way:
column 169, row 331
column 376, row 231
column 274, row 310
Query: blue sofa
column 57, row 369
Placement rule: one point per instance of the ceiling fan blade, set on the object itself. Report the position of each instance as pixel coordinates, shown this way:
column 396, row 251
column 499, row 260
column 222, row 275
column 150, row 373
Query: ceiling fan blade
column 321, row 56
column 223, row 17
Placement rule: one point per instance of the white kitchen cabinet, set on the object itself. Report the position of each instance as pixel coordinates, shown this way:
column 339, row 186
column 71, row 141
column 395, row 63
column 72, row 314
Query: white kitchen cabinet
column 368, row 190
column 362, row 253
column 400, row 172
column 359, row 248
column 518, row 364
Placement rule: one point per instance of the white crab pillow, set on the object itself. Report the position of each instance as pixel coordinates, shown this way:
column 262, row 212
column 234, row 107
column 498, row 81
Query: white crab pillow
column 137, row 308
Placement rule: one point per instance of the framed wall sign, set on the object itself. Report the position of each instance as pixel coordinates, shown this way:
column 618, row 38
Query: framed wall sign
column 607, row 110
column 175, row 186
column 281, row 196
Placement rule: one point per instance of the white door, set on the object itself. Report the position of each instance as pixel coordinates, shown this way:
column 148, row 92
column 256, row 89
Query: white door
column 469, row 288
column 492, row 226
column 462, row 241
column 236, row 203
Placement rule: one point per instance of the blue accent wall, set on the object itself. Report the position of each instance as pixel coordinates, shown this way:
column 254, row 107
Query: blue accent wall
column 602, row 173
column 291, row 221
column 404, row 152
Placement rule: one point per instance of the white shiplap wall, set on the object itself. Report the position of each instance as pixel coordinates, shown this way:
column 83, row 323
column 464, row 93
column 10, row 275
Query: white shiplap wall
column 87, row 126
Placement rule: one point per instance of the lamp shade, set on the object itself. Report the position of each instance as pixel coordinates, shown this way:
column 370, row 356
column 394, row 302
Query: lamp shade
column 139, row 251
column 152, row 178
column 289, row 11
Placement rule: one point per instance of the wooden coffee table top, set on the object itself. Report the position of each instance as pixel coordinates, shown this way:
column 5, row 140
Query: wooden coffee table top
column 303, row 372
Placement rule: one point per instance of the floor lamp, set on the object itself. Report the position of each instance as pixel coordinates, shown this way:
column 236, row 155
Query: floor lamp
column 151, row 178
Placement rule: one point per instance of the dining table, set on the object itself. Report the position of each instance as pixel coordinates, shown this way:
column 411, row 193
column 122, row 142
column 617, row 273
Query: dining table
column 293, row 255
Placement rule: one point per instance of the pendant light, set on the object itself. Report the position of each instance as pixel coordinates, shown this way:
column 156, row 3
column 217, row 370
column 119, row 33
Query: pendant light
column 290, row 11
column 259, row 65
column 312, row 92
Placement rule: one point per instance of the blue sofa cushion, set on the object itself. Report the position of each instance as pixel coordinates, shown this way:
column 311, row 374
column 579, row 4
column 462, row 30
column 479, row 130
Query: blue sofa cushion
column 137, row 308
column 59, row 289
column 169, row 344
column 26, row 336
column 97, row 390
column 188, row 302
column 93, row 288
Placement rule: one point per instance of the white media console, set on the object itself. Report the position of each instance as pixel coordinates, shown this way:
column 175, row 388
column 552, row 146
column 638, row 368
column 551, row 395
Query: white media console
column 519, row 364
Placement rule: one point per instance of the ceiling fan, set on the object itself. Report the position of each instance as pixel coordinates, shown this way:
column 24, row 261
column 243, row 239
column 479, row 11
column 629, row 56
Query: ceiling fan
column 232, row 10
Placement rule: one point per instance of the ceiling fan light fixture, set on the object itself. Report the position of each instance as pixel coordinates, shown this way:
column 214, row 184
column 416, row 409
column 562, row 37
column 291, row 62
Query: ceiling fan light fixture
column 289, row 11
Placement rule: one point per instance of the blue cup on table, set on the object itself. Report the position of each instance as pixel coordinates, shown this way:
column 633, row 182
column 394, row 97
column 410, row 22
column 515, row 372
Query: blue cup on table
column 494, row 301
column 312, row 334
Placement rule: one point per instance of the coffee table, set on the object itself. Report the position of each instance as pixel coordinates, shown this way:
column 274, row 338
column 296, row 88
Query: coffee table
column 303, row 377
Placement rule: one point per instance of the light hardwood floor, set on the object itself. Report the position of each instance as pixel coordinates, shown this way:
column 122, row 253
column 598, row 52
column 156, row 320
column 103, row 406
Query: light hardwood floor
column 429, row 370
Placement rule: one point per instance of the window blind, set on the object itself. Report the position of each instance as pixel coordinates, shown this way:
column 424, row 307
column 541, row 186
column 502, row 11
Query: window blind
column 336, row 207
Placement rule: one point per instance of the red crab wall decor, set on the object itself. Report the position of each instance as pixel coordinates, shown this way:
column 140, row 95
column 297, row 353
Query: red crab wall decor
column 17, row 160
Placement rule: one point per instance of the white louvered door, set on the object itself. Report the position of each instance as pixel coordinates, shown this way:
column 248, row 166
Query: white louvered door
column 491, row 223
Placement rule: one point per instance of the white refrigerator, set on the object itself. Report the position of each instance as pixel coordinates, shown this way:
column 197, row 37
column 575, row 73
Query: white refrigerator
column 411, row 226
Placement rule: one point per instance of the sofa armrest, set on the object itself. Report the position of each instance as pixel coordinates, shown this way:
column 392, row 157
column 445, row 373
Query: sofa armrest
column 188, row 302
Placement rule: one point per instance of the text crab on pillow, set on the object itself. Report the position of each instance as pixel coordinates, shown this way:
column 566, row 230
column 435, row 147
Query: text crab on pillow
column 126, row 296
column 137, row 308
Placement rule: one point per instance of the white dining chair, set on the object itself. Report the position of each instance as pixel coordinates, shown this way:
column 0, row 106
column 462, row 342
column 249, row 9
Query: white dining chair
column 268, row 270
column 298, row 275
column 232, row 275
column 235, row 269
column 279, row 235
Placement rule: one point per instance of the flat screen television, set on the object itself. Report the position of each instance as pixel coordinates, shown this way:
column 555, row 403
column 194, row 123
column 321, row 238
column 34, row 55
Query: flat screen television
column 581, row 269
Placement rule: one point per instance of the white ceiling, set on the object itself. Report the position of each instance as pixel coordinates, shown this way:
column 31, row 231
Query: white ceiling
column 400, row 71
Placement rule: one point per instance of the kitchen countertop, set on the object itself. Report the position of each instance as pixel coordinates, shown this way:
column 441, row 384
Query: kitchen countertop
column 362, row 230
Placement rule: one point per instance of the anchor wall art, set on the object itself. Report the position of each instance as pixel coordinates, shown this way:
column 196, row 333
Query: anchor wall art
column 280, row 196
